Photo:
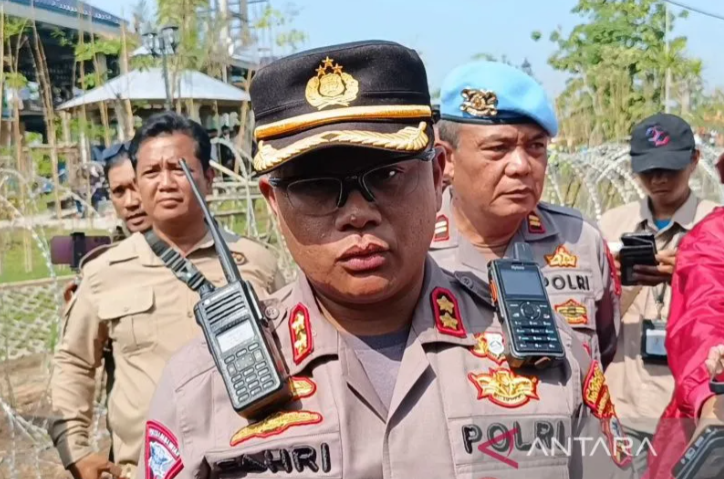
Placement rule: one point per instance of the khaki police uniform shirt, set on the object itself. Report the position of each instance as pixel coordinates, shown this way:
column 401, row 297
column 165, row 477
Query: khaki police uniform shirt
column 642, row 391
column 457, row 409
column 573, row 258
column 129, row 297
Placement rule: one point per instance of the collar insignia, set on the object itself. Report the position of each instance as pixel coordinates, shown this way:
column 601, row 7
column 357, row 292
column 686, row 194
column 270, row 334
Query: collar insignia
column 331, row 86
column 573, row 311
column 300, row 333
column 535, row 225
column 491, row 346
column 275, row 424
column 505, row 388
column 479, row 103
column 447, row 313
column 562, row 258
column 302, row 388
column 442, row 229
column 598, row 398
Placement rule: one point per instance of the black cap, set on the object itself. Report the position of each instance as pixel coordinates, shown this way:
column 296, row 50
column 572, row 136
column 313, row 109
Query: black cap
column 663, row 142
column 370, row 94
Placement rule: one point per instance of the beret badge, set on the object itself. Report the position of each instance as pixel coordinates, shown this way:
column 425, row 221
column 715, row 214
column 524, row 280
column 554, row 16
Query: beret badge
column 331, row 86
column 479, row 102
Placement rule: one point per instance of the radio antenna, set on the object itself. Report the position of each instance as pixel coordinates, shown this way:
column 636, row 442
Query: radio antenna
column 227, row 263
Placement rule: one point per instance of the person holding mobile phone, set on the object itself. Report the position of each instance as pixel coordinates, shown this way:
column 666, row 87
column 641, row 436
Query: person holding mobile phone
column 663, row 158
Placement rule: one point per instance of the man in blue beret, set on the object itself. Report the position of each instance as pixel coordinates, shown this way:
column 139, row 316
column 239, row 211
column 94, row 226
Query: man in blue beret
column 495, row 126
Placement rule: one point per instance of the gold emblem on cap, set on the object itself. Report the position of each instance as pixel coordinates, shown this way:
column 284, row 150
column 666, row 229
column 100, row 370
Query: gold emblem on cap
column 479, row 102
column 331, row 86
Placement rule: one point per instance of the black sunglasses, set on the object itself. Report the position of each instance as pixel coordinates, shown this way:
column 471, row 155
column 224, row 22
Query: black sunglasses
column 383, row 184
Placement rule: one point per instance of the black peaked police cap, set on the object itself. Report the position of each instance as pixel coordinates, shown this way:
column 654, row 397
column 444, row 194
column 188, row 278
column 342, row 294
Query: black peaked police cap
column 371, row 94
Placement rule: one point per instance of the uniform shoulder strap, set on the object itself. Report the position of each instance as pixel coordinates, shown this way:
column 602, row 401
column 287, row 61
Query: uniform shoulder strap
column 180, row 266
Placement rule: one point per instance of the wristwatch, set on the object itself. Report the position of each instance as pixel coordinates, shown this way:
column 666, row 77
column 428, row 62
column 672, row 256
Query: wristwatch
column 717, row 387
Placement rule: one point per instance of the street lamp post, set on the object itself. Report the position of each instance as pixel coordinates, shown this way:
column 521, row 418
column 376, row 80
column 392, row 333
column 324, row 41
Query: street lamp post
column 160, row 45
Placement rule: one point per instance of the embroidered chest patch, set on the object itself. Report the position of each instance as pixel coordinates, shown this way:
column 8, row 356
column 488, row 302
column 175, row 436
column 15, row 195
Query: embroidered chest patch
column 562, row 258
column 574, row 312
column 505, row 388
column 491, row 346
column 275, row 424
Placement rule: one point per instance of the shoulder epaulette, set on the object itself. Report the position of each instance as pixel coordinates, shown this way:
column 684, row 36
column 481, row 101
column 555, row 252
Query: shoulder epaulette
column 561, row 210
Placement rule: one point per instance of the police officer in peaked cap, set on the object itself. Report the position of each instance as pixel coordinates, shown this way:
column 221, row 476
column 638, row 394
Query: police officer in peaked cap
column 389, row 364
column 495, row 127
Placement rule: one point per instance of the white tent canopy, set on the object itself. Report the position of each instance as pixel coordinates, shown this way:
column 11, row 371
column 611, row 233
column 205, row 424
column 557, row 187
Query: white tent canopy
column 148, row 85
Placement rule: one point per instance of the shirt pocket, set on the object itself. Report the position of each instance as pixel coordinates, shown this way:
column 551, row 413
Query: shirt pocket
column 314, row 456
column 130, row 314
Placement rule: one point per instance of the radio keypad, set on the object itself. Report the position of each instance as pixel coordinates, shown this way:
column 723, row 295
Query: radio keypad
column 534, row 327
column 249, row 372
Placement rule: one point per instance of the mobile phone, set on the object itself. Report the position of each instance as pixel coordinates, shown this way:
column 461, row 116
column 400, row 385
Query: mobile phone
column 638, row 248
column 69, row 250
column 638, row 239
column 704, row 459
column 520, row 298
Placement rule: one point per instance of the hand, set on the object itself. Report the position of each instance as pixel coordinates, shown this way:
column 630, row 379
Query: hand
column 661, row 273
column 93, row 466
column 715, row 361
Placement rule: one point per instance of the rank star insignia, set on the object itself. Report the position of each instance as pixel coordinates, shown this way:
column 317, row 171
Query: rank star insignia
column 442, row 229
column 491, row 346
column 562, row 258
column 535, row 225
column 479, row 102
column 505, row 388
column 447, row 313
column 275, row 424
column 300, row 333
column 331, row 86
column 573, row 311
column 302, row 388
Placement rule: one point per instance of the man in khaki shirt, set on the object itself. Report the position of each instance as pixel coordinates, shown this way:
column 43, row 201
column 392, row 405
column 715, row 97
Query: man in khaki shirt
column 130, row 298
column 495, row 126
column 398, row 367
column 663, row 156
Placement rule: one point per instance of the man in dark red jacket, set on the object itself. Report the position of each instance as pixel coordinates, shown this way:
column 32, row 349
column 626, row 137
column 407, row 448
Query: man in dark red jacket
column 695, row 326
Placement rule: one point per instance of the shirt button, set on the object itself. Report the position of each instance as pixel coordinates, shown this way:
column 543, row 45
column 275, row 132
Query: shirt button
column 188, row 313
column 271, row 313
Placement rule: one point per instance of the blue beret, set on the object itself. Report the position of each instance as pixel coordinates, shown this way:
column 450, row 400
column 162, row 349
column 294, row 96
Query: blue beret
column 495, row 93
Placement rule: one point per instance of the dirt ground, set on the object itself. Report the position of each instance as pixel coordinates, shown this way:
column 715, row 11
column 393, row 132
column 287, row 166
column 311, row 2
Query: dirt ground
column 23, row 390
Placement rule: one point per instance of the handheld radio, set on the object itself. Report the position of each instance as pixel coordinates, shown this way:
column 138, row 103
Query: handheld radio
column 519, row 294
column 238, row 335
column 704, row 459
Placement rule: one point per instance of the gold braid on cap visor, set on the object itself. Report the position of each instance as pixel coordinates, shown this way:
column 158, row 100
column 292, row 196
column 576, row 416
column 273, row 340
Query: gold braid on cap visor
column 412, row 139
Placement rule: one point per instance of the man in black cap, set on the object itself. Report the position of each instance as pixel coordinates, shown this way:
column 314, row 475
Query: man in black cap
column 663, row 157
column 387, row 376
